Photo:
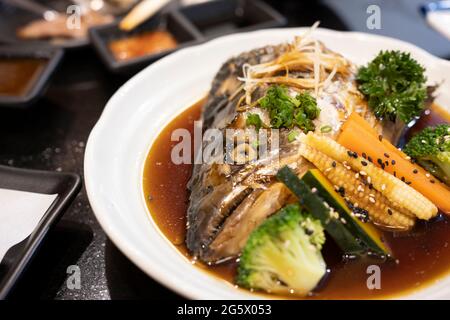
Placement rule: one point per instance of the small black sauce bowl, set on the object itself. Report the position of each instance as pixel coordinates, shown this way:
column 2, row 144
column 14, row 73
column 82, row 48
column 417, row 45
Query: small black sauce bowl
column 40, row 84
column 173, row 22
column 221, row 17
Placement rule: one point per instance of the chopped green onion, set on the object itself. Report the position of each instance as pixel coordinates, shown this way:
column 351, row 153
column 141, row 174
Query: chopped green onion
column 325, row 129
column 292, row 135
column 255, row 120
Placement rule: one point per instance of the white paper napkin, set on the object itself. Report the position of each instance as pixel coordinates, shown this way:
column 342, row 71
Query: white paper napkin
column 20, row 213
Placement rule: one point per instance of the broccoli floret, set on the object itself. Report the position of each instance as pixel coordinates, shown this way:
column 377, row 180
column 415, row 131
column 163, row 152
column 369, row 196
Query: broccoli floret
column 431, row 149
column 283, row 254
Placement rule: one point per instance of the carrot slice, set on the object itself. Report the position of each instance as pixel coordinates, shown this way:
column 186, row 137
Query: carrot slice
column 356, row 119
column 362, row 139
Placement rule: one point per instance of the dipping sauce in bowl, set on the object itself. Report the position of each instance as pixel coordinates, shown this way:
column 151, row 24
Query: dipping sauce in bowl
column 18, row 75
column 142, row 44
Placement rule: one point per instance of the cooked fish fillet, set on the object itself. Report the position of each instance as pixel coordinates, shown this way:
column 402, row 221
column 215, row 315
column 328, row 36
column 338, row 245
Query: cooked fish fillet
column 228, row 201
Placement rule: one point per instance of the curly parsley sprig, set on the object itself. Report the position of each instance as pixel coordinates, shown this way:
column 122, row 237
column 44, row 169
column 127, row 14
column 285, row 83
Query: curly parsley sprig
column 394, row 85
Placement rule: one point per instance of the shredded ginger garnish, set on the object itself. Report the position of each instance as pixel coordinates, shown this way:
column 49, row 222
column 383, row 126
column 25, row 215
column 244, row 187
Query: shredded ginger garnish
column 307, row 56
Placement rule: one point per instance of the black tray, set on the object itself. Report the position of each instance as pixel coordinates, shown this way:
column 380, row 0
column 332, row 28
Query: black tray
column 65, row 185
column 221, row 17
column 53, row 55
column 181, row 29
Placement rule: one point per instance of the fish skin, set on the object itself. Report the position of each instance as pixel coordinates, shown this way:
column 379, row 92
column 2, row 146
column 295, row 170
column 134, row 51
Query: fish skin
column 205, row 213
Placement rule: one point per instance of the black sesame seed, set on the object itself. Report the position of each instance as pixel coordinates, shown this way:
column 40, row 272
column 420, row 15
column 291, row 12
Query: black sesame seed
column 380, row 162
column 350, row 154
column 408, row 182
column 403, row 179
column 369, row 159
column 389, row 212
column 380, row 137
column 364, row 163
column 364, row 155
column 333, row 164
column 395, row 174
column 415, row 171
column 350, row 205
column 393, row 162
column 432, row 181
column 382, row 166
column 386, row 155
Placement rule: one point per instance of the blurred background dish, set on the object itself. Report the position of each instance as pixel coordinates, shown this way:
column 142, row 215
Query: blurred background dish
column 25, row 73
column 437, row 15
column 57, row 23
column 177, row 27
column 130, row 51
column 220, row 17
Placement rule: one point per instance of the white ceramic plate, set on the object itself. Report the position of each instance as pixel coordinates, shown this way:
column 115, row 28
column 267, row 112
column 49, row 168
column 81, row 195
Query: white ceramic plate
column 135, row 115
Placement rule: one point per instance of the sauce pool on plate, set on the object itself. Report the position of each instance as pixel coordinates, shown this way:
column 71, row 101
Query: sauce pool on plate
column 422, row 256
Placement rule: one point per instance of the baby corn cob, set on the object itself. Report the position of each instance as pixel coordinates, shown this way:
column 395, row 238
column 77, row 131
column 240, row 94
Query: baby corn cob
column 354, row 191
column 402, row 195
column 339, row 153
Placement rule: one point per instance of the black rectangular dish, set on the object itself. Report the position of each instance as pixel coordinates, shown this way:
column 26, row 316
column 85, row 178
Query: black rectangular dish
column 101, row 37
column 220, row 17
column 65, row 185
column 31, row 68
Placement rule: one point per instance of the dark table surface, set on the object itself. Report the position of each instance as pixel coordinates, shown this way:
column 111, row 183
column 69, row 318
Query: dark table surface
column 53, row 134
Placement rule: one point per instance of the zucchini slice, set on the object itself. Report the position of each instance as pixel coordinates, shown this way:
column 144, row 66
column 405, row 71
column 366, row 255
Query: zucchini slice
column 366, row 232
column 317, row 207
